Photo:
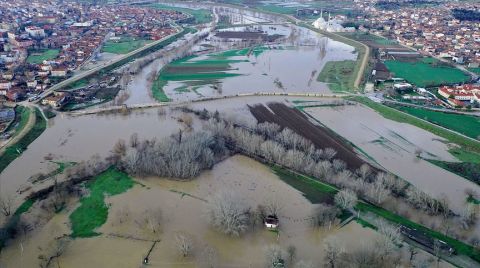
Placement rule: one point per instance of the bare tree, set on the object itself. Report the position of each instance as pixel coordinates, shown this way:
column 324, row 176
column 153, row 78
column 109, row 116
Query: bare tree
column 346, row 199
column 134, row 140
column 183, row 243
column 208, row 257
column 329, row 153
column 468, row 215
column 292, row 253
column 153, row 220
column 228, row 213
column 53, row 251
column 325, row 215
column 120, row 148
column 333, row 251
column 6, row 203
column 275, row 256
column 364, row 172
column 389, row 239
column 303, row 264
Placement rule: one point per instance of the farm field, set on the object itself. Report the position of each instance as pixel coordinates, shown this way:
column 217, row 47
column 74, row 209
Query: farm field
column 426, row 72
column 393, row 146
column 195, row 72
column 469, row 148
column 38, row 56
column 258, row 68
column 468, row 125
column 370, row 39
column 124, row 45
column 338, row 75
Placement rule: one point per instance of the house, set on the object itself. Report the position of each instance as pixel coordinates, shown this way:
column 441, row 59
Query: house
column 56, row 100
column 402, row 86
column 32, row 83
column 271, row 222
column 59, row 72
column 461, row 93
column 15, row 94
column 5, row 84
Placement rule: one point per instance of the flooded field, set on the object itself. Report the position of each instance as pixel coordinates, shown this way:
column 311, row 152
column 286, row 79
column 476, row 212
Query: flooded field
column 394, row 146
column 122, row 242
column 69, row 138
column 261, row 69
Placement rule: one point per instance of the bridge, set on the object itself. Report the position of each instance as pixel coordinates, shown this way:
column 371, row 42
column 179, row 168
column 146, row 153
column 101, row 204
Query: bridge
column 124, row 107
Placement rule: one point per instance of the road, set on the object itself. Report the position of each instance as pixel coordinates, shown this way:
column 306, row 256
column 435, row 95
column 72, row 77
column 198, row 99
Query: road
column 105, row 65
column 17, row 136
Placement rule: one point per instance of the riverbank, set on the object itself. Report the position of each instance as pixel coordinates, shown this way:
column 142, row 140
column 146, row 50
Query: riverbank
column 27, row 134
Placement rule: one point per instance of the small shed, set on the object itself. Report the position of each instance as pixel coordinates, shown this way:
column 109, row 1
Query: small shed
column 271, row 222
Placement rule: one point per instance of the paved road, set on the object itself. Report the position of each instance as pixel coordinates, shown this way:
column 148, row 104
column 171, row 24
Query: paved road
column 105, row 65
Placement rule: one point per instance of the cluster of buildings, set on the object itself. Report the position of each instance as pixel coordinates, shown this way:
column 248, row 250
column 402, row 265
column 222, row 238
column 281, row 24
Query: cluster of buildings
column 432, row 29
column 332, row 24
column 75, row 32
column 460, row 96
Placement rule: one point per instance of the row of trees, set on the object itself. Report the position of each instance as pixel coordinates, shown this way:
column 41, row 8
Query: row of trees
column 286, row 148
column 268, row 142
column 178, row 156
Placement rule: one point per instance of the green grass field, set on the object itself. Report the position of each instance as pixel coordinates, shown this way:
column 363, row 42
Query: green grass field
column 124, row 45
column 200, row 16
column 315, row 191
column 93, row 212
column 426, row 72
column 21, row 118
column 338, row 75
column 38, row 56
column 15, row 150
column 466, row 124
column 361, row 36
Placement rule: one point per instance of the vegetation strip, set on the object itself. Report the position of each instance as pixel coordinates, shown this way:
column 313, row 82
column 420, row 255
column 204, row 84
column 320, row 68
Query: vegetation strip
column 15, row 150
column 338, row 75
column 305, row 182
column 93, row 212
column 468, row 125
column 398, row 116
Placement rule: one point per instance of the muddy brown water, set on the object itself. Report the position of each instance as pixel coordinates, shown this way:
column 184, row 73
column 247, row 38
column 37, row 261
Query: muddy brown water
column 183, row 210
column 393, row 145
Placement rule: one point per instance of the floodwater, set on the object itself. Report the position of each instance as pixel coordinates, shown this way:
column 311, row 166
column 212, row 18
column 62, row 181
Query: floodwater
column 125, row 239
column 79, row 138
column 291, row 65
column 69, row 138
column 186, row 213
column 393, row 146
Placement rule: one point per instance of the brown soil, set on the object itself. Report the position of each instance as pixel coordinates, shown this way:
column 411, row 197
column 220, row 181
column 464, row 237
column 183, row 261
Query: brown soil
column 294, row 119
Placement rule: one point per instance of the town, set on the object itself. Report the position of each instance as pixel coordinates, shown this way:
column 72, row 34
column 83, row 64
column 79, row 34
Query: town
column 240, row 133
column 43, row 43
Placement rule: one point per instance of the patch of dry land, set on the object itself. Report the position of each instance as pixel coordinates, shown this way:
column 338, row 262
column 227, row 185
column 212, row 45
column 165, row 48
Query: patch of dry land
column 124, row 239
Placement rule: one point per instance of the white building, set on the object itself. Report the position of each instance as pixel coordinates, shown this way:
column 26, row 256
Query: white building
column 35, row 31
column 331, row 25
